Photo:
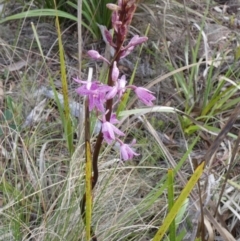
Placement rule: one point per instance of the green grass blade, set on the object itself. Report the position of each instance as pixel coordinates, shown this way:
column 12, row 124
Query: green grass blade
column 40, row 13
column 67, row 122
column 89, row 13
column 172, row 227
column 181, row 235
column 181, row 199
column 105, row 17
column 37, row 39
column 181, row 212
column 214, row 99
column 230, row 104
column 74, row 5
column 91, row 26
column 209, row 87
column 87, row 9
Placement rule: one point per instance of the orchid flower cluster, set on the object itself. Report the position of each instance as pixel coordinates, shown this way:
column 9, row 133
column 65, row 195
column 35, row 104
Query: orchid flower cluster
column 101, row 95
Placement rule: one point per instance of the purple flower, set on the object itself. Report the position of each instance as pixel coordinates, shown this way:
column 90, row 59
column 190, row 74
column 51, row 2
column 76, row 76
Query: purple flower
column 118, row 89
column 126, row 152
column 96, row 93
column 112, row 92
column 136, row 40
column 95, row 55
column 144, row 95
column 126, row 52
column 87, row 84
column 113, row 118
column 119, row 84
column 109, row 130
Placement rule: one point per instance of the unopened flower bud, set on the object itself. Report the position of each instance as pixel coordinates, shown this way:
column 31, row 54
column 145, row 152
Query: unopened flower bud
column 95, row 55
column 115, row 72
column 113, row 7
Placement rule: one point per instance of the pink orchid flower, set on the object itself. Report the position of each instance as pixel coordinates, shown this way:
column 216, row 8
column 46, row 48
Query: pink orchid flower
column 144, row 95
column 96, row 93
column 136, row 40
column 109, row 130
column 126, row 152
column 118, row 89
